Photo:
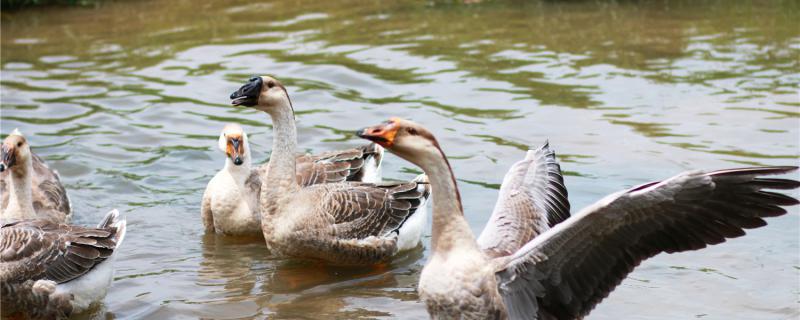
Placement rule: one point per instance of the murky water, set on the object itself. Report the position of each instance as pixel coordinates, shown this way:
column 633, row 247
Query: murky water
column 126, row 100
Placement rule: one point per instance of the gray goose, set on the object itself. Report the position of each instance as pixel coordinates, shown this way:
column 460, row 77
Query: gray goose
column 29, row 189
column 345, row 223
column 51, row 270
column 534, row 261
column 230, row 201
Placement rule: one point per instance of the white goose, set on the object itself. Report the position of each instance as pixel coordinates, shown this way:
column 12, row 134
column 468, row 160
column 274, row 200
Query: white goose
column 29, row 189
column 347, row 223
column 533, row 261
column 51, row 270
column 230, row 202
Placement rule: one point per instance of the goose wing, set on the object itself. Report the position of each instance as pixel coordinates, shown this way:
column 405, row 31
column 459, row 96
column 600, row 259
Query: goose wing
column 36, row 249
column 532, row 199
column 49, row 197
column 338, row 166
column 570, row 268
column 356, row 223
column 362, row 210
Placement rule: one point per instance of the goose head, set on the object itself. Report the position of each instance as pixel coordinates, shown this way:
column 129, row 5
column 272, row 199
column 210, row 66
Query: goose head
column 404, row 138
column 263, row 93
column 233, row 142
column 15, row 150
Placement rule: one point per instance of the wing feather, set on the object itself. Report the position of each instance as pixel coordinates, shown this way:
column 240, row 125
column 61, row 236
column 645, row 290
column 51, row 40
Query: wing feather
column 362, row 210
column 570, row 268
column 335, row 166
column 532, row 199
column 41, row 249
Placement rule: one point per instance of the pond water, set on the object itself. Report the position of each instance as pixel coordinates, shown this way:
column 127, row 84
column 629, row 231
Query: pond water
column 126, row 99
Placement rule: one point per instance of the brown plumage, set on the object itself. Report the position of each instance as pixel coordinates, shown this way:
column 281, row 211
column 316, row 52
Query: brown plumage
column 574, row 266
column 230, row 202
column 337, row 166
column 345, row 223
column 351, row 223
column 48, row 198
column 532, row 199
column 534, row 261
column 38, row 255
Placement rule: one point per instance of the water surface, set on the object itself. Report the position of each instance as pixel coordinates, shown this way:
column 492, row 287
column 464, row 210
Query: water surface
column 126, row 99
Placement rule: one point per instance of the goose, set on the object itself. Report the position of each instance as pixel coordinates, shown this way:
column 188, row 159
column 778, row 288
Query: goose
column 29, row 189
column 230, row 202
column 535, row 261
column 51, row 270
column 346, row 223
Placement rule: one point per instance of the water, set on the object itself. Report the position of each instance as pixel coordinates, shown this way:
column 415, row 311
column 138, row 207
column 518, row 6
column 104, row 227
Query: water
column 126, row 99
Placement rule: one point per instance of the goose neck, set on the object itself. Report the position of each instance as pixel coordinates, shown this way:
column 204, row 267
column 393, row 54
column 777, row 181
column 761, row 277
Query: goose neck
column 20, row 205
column 284, row 143
column 450, row 228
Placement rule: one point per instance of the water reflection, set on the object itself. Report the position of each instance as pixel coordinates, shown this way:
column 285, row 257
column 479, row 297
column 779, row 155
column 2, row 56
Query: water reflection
column 126, row 100
column 236, row 269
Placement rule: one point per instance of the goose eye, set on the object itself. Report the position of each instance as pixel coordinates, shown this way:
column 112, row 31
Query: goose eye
column 270, row 84
column 19, row 144
column 412, row 131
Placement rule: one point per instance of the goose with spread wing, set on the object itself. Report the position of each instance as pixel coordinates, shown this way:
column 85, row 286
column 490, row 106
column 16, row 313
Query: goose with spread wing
column 535, row 261
column 230, row 202
column 345, row 223
column 50, row 270
column 29, row 189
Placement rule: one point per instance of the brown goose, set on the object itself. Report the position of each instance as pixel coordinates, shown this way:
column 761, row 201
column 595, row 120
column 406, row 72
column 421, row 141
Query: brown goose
column 533, row 261
column 50, row 270
column 346, row 223
column 28, row 188
column 230, row 202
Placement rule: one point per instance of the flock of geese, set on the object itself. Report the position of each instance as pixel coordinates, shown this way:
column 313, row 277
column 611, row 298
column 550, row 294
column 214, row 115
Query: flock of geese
column 533, row 260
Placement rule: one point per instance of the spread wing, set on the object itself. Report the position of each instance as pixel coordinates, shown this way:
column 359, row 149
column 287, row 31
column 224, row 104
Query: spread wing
column 40, row 249
column 570, row 268
column 532, row 199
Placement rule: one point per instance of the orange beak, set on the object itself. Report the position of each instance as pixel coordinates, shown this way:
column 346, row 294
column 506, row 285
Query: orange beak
column 382, row 134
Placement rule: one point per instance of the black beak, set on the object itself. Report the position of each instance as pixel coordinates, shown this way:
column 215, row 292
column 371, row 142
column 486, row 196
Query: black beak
column 8, row 158
column 237, row 157
column 248, row 94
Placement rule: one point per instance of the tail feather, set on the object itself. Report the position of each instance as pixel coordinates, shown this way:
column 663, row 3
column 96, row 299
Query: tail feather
column 112, row 220
column 372, row 155
column 410, row 230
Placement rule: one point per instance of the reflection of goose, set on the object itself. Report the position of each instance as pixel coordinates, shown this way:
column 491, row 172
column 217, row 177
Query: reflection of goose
column 29, row 189
column 50, row 270
column 233, row 260
column 534, row 261
column 343, row 223
column 230, row 202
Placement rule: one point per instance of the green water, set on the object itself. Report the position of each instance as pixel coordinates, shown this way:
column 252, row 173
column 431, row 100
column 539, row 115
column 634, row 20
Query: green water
column 126, row 99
